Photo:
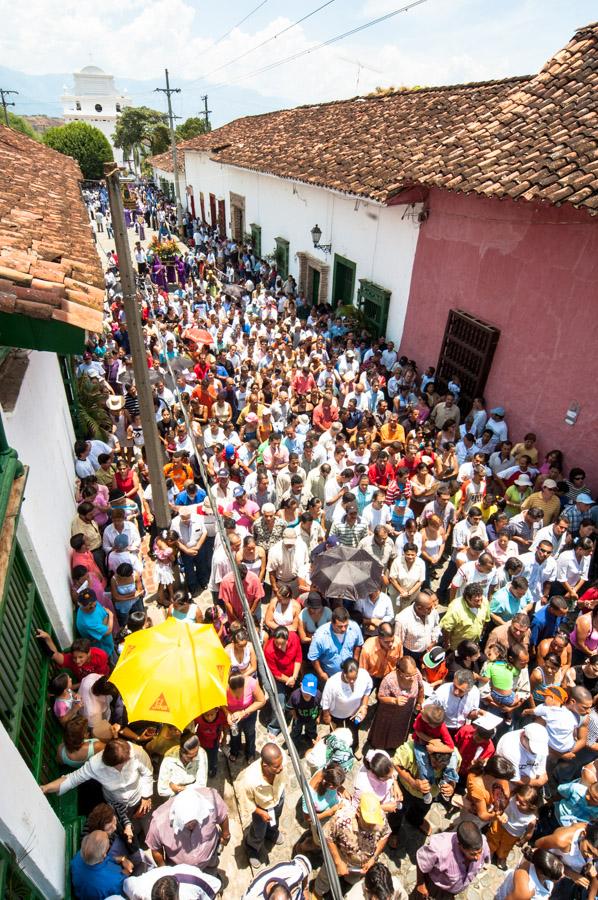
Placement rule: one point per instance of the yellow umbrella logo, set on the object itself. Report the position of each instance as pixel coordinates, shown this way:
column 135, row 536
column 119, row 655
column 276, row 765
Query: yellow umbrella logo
column 172, row 672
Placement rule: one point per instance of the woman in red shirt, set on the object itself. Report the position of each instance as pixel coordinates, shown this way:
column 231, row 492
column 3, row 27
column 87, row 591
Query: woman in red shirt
column 284, row 658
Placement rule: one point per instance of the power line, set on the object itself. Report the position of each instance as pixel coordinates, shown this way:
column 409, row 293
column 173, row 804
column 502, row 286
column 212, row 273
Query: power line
column 332, row 40
column 4, row 93
column 230, row 30
column 177, row 190
column 263, row 43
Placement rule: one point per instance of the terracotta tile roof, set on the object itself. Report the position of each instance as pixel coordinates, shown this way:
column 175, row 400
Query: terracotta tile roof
column 49, row 267
column 529, row 137
column 164, row 162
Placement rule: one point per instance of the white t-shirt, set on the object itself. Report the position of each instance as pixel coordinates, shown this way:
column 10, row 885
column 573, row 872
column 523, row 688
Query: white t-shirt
column 561, row 724
column 570, row 569
column 527, row 765
column 470, row 574
column 372, row 516
column 343, row 699
column 139, row 887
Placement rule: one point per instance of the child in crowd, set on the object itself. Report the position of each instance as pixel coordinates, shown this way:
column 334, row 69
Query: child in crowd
column 165, row 553
column 211, row 726
column 516, row 826
column 429, row 726
column 67, row 703
column 304, row 704
column 501, row 674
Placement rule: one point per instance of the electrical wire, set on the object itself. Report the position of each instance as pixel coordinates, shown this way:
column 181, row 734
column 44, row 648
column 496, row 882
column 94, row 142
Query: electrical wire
column 230, row 30
column 265, row 673
column 263, row 43
column 327, row 43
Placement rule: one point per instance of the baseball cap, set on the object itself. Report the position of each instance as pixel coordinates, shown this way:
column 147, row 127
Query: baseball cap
column 251, row 418
column 314, row 601
column 121, row 542
column 553, row 690
column 86, row 598
column 524, row 481
column 497, row 411
column 434, row 657
column 370, row 809
column 309, row 685
column 289, row 536
column 583, row 498
column 238, row 491
column 222, row 473
column 537, row 737
column 266, row 411
column 229, row 450
column 550, row 483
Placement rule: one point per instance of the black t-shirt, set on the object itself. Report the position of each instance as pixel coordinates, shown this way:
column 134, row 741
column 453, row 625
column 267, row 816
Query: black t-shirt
column 306, row 707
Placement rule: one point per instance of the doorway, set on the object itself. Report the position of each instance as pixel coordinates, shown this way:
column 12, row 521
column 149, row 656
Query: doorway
column 237, row 223
column 343, row 281
column 314, row 282
column 213, row 215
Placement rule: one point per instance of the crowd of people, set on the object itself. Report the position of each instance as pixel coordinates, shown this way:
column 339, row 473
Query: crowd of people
column 465, row 678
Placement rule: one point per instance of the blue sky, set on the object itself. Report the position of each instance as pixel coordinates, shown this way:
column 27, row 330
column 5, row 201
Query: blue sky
column 438, row 42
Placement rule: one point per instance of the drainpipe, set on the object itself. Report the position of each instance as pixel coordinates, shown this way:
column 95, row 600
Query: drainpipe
column 10, row 468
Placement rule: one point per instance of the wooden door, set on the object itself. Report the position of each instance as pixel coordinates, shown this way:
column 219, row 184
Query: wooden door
column 222, row 218
column 315, row 287
column 213, row 216
column 467, row 351
column 237, row 223
column 202, row 206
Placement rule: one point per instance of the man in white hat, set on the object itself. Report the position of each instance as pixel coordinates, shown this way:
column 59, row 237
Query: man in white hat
column 528, row 751
column 288, row 563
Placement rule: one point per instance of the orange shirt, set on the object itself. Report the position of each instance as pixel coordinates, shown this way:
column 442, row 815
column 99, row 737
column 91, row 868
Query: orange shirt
column 323, row 416
column 387, row 433
column 378, row 661
column 179, row 472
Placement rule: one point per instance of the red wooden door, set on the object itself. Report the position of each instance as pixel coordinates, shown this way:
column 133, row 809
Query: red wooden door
column 213, row 217
column 202, row 206
column 467, row 351
column 222, row 218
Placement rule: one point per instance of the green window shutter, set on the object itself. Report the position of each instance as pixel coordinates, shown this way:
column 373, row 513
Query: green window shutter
column 282, row 256
column 14, row 883
column 374, row 303
column 25, row 709
column 256, row 239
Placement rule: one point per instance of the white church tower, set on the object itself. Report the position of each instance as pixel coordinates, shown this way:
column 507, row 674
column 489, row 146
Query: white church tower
column 95, row 100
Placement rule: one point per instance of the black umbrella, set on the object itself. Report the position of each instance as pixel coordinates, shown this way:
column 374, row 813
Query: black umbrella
column 181, row 363
column 346, row 573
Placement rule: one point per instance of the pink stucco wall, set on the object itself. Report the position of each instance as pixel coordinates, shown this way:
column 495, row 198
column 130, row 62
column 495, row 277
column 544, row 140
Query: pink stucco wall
column 531, row 271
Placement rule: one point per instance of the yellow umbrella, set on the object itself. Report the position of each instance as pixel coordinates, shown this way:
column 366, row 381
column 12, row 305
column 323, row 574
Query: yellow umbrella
column 172, row 672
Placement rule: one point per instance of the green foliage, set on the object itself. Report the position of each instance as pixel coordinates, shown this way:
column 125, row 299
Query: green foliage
column 190, row 128
column 160, row 139
column 17, row 123
column 94, row 419
column 84, row 143
column 136, row 126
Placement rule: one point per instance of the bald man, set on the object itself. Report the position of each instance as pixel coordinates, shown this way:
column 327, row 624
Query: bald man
column 262, row 799
column 93, row 873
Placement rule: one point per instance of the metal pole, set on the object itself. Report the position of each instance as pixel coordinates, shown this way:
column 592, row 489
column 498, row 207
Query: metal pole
column 177, row 189
column 4, row 94
column 206, row 111
column 133, row 318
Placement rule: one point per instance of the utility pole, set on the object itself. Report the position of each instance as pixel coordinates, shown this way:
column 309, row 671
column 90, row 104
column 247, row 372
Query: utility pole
column 4, row 94
column 206, row 112
column 133, row 318
column 179, row 208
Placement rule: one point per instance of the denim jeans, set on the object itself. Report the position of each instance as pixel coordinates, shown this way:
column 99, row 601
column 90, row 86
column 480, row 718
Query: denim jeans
column 425, row 769
column 212, row 754
column 246, row 727
column 281, row 690
column 310, row 726
column 260, row 831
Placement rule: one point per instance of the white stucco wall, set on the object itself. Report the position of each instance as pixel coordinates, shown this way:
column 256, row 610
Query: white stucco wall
column 29, row 825
column 41, row 431
column 377, row 238
column 169, row 177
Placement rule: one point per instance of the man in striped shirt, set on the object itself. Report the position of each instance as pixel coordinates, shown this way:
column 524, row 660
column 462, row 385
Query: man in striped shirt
column 351, row 531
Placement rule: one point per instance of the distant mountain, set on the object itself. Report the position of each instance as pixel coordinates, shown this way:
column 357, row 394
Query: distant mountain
column 40, row 95
column 42, row 123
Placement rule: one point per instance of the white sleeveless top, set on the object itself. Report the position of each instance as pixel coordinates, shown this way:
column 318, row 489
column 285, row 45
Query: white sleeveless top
column 283, row 618
column 573, row 858
column 541, row 891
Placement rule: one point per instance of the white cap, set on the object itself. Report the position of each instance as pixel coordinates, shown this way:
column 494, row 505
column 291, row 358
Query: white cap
column 537, row 738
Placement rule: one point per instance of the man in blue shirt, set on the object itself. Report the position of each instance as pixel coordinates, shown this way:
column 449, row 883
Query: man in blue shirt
column 579, row 803
column 190, row 496
column 513, row 598
column 546, row 621
column 95, row 876
column 94, row 621
column 332, row 644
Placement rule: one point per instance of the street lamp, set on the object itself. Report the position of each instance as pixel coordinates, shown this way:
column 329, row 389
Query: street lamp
column 316, row 234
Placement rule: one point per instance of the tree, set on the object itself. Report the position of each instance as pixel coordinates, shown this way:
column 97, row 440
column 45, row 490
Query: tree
column 190, row 128
column 139, row 128
column 18, row 123
column 84, row 143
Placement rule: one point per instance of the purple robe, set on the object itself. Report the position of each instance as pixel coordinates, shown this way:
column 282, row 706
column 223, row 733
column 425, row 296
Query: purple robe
column 128, row 218
column 159, row 273
column 180, row 270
